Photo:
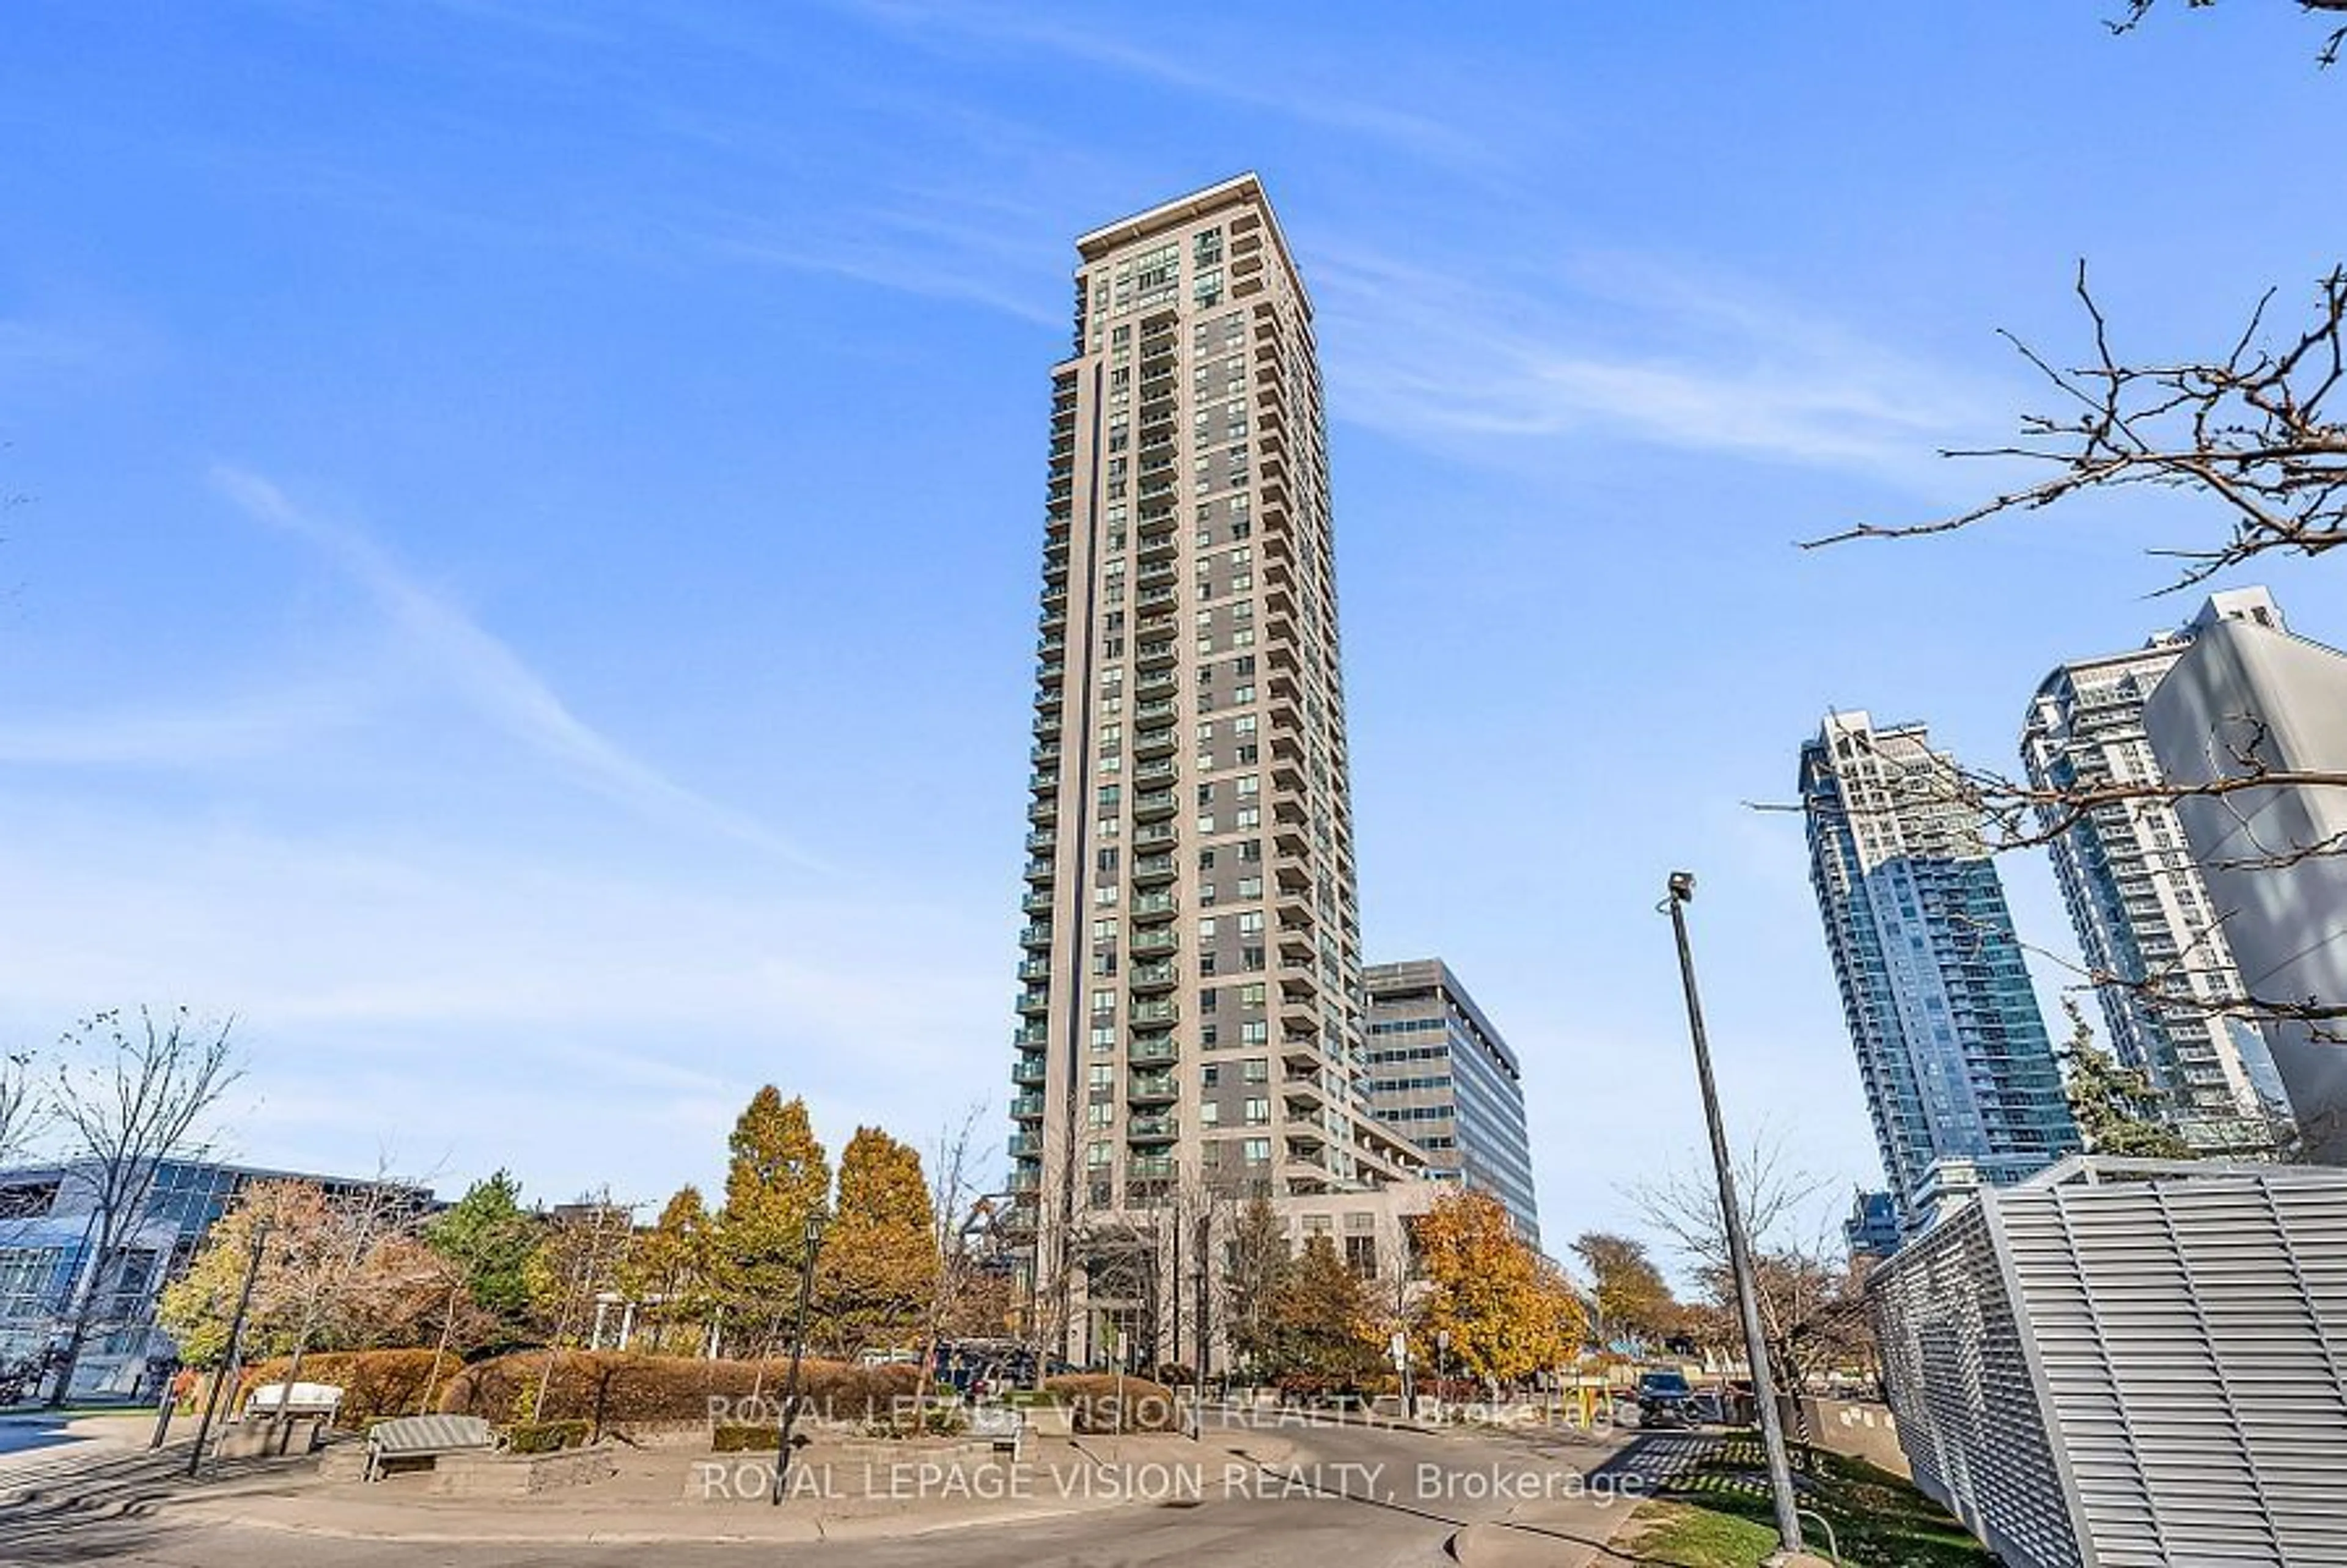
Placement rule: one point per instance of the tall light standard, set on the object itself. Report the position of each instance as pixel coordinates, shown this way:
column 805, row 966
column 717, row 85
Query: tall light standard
column 1739, row 1247
column 813, row 1239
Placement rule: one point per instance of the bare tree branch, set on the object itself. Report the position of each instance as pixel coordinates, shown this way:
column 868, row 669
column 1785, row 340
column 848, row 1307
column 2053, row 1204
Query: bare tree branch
column 2256, row 431
column 2327, row 55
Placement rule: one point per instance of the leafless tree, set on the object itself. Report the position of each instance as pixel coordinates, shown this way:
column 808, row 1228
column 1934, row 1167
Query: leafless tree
column 21, row 1105
column 953, row 1194
column 1808, row 1305
column 130, row 1093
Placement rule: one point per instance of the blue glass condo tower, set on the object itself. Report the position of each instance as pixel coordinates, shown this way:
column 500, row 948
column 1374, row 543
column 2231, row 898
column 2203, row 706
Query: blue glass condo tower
column 1960, row 1077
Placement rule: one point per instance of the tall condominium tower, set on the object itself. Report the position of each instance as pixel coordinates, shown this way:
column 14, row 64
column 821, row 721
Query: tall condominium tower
column 2141, row 905
column 1960, row 1078
column 1440, row 1072
column 2252, row 698
column 1191, row 1005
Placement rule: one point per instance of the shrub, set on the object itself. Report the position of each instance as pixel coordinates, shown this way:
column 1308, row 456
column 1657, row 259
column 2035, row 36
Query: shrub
column 736, row 1438
column 1174, row 1375
column 545, row 1436
column 620, row 1392
column 376, row 1384
column 1092, row 1397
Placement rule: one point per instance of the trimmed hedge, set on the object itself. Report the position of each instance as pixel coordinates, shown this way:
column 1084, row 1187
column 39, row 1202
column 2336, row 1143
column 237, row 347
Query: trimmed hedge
column 1092, row 1398
column 545, row 1436
column 376, row 1384
column 621, row 1390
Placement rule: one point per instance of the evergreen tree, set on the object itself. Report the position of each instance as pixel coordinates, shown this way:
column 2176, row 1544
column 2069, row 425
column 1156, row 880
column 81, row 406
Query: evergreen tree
column 2117, row 1108
column 489, row 1238
column 879, row 1270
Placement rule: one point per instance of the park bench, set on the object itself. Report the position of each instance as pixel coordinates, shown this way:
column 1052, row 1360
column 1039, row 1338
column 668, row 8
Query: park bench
column 403, row 1439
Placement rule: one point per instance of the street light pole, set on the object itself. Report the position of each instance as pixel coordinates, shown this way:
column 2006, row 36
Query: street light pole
column 1739, row 1246
column 813, row 1239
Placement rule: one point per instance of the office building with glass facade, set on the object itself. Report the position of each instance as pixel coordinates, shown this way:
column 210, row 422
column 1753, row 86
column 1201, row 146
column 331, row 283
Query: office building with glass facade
column 1441, row 1074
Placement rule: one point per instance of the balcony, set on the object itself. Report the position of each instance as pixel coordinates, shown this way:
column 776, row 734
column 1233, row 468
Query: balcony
column 1149, row 870
column 1155, row 743
column 1156, row 655
column 1035, row 935
column 1155, row 906
column 1035, row 969
column 1028, row 1071
column 1035, row 1002
column 1154, row 1169
column 1042, row 840
column 1036, row 903
column 1158, row 1127
column 1025, row 1179
column 1041, row 870
column 1160, row 939
column 1156, row 685
column 1163, row 833
column 1159, row 976
column 1166, row 1012
column 1043, row 782
column 1159, row 546
column 1160, row 771
column 1151, row 1088
column 1155, row 805
column 1153, row 1048
column 1026, row 1145
column 1050, row 674
column 1046, row 809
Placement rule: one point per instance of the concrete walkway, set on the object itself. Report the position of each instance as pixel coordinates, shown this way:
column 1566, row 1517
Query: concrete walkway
column 683, row 1495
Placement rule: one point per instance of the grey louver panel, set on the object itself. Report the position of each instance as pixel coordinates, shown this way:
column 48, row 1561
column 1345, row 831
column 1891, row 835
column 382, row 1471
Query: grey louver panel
column 2190, row 1329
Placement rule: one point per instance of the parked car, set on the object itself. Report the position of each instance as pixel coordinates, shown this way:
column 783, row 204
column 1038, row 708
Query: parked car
column 1664, row 1400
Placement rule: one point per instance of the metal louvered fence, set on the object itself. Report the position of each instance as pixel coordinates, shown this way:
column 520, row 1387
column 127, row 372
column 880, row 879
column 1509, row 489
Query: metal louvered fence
column 2130, row 1364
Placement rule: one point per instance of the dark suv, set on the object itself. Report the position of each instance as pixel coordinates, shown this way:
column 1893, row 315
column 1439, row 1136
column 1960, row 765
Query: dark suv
column 1665, row 1400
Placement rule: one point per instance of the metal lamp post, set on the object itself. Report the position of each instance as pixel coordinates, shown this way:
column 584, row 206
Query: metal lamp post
column 1739, row 1246
column 814, row 1240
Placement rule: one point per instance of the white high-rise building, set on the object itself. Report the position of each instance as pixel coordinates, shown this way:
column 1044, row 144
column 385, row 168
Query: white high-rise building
column 2252, row 698
column 2141, row 907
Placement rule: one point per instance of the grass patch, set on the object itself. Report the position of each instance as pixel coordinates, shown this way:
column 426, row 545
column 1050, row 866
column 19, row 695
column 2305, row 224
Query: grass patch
column 1717, row 1515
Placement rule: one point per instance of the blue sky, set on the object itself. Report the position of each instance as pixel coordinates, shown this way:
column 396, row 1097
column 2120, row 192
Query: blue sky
column 528, row 587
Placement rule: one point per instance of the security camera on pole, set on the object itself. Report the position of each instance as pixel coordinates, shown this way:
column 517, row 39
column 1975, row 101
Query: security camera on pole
column 1739, row 1247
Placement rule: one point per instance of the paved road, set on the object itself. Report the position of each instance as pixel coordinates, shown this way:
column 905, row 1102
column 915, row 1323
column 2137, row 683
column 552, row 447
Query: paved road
column 1352, row 1498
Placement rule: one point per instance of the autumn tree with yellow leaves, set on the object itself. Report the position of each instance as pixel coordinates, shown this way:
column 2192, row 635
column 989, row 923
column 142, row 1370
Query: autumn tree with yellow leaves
column 1507, row 1311
column 778, row 1176
column 877, row 1273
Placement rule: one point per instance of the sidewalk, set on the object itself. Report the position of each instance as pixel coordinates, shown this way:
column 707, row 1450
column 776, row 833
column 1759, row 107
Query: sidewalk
column 1576, row 1530
column 681, row 1496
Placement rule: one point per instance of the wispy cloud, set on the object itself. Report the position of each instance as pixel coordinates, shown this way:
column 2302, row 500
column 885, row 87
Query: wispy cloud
column 1022, row 28
column 1624, row 348
column 494, row 680
column 235, row 731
